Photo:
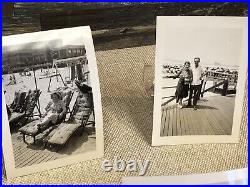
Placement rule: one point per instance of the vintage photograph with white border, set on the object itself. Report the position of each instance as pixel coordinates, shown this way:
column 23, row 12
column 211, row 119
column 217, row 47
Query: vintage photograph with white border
column 51, row 109
column 200, row 77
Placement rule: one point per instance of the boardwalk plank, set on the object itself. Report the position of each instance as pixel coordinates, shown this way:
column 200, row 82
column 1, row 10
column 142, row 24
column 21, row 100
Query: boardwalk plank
column 205, row 127
column 191, row 122
column 43, row 158
column 32, row 160
column 211, row 117
column 196, row 122
column 212, row 123
column 49, row 158
column 167, row 121
column 209, row 123
column 186, row 121
column 214, row 117
column 225, row 117
column 28, row 156
column 216, row 124
column 228, row 120
column 223, row 123
column 163, row 119
column 178, row 122
column 182, row 125
column 23, row 154
column 174, row 121
column 17, row 147
column 171, row 116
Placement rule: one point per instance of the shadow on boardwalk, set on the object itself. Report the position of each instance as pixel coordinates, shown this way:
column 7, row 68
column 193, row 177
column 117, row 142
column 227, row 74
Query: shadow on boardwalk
column 213, row 117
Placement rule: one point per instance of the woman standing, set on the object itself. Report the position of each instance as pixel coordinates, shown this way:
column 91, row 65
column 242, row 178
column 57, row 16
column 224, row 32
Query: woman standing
column 185, row 78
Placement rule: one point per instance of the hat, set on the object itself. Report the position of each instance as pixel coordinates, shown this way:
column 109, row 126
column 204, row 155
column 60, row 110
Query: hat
column 83, row 87
column 57, row 94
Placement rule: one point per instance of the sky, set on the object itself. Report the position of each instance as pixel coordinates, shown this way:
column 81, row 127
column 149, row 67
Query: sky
column 32, row 46
column 220, row 45
column 40, row 40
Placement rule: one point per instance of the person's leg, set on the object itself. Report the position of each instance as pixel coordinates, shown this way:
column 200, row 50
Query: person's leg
column 177, row 94
column 43, row 124
column 200, row 87
column 180, row 103
column 54, row 118
column 177, row 100
column 199, row 91
column 196, row 95
column 190, row 95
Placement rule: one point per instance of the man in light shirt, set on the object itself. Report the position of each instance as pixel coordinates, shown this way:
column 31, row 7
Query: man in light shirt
column 195, row 87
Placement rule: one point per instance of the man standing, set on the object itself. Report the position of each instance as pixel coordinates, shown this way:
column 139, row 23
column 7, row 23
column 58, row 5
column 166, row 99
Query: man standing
column 195, row 87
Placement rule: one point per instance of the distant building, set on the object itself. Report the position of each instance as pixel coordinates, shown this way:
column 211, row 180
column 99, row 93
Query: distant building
column 17, row 60
column 68, row 51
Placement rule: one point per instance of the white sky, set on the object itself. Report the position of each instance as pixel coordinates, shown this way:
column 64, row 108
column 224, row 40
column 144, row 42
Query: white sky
column 39, row 40
column 33, row 45
column 212, row 45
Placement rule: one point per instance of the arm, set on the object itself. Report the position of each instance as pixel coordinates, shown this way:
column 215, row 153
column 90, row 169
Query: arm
column 191, row 76
column 202, row 73
column 47, row 109
column 178, row 74
column 174, row 76
column 64, row 110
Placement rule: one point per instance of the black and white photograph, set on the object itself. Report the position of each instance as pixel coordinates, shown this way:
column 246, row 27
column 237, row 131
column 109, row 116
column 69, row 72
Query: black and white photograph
column 52, row 100
column 200, row 76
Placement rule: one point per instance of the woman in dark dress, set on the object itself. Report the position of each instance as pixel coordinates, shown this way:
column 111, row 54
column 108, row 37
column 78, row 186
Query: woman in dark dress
column 185, row 78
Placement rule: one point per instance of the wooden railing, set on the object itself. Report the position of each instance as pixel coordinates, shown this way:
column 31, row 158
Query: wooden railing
column 206, row 90
column 219, row 76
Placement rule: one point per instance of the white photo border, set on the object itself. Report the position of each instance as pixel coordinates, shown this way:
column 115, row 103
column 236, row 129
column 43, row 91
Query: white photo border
column 84, row 33
column 197, row 21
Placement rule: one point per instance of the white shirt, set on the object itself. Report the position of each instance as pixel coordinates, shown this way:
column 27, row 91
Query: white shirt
column 197, row 73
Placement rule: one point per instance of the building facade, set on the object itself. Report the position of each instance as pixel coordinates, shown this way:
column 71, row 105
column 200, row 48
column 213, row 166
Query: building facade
column 17, row 61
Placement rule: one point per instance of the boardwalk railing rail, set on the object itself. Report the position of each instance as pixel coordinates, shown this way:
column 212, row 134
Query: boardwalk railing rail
column 223, row 82
column 218, row 76
column 169, row 87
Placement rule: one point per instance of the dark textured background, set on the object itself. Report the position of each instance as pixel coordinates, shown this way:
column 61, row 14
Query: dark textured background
column 127, row 111
column 114, row 25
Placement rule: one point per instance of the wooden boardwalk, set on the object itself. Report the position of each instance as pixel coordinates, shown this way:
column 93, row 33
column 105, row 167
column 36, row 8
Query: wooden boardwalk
column 213, row 117
column 31, row 154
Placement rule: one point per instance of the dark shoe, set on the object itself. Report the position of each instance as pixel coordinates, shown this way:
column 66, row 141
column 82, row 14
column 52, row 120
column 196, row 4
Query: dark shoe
column 195, row 107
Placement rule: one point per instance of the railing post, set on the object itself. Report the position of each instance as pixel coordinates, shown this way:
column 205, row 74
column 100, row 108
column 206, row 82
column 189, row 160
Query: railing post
column 214, row 83
column 225, row 88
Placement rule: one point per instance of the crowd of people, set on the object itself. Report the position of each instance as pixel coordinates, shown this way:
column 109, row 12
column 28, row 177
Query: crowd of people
column 174, row 69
